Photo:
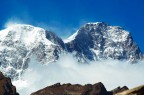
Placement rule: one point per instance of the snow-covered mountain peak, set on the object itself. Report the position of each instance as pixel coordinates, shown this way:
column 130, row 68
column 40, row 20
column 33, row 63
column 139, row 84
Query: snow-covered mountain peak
column 96, row 41
column 19, row 42
column 114, row 33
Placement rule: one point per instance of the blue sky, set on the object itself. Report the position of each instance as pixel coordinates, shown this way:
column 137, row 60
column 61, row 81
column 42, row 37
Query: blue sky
column 65, row 16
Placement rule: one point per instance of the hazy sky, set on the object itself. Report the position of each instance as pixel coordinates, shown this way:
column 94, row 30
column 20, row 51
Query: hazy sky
column 65, row 16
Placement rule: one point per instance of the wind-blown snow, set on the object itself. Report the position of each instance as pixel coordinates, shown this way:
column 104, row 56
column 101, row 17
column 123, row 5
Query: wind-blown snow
column 25, row 33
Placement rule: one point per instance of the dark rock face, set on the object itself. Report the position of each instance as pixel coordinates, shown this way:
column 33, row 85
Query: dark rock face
column 69, row 89
column 120, row 89
column 55, row 39
column 6, row 87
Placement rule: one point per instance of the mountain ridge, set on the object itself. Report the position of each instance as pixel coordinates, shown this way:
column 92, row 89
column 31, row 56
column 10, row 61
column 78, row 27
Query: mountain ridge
column 92, row 42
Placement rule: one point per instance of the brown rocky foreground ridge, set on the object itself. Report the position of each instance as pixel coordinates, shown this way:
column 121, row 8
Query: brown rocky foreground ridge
column 88, row 89
column 69, row 89
column 6, row 87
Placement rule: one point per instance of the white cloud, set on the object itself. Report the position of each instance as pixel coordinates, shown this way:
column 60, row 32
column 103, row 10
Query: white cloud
column 66, row 70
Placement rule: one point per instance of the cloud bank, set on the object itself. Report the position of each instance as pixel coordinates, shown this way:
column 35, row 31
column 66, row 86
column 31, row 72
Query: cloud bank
column 112, row 73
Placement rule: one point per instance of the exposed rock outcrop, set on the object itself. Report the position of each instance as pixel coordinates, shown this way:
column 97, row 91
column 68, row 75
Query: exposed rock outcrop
column 69, row 89
column 6, row 87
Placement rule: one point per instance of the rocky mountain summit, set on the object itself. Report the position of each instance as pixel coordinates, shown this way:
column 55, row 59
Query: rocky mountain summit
column 6, row 87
